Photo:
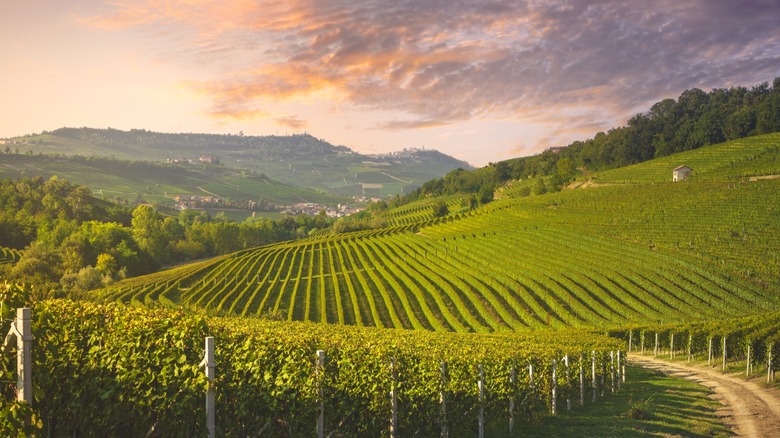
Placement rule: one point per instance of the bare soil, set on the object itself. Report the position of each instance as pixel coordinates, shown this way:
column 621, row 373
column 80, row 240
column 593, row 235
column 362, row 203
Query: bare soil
column 750, row 409
column 757, row 178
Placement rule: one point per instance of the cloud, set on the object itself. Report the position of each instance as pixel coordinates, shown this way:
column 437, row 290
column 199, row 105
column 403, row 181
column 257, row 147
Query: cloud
column 292, row 122
column 440, row 62
column 410, row 124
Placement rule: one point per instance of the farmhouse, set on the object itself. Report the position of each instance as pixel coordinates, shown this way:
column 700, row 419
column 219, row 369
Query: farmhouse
column 681, row 173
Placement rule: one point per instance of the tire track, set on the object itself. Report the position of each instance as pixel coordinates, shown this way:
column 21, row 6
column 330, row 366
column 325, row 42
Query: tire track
column 750, row 409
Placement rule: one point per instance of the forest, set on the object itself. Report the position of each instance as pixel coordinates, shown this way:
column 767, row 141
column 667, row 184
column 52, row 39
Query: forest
column 73, row 242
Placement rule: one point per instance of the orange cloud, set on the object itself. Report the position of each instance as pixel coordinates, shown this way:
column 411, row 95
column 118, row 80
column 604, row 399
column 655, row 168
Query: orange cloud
column 292, row 122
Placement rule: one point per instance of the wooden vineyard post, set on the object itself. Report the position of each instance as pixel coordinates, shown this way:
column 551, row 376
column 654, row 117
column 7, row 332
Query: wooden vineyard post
column 612, row 370
column 747, row 364
column 393, row 400
column 568, row 375
column 208, row 364
column 24, row 355
column 512, row 379
column 655, row 350
column 642, row 340
column 603, row 377
column 769, row 371
column 582, row 382
column 481, row 387
column 724, row 352
column 709, row 353
column 593, row 375
column 630, row 338
column 443, row 400
column 623, row 368
column 690, row 341
column 21, row 331
column 531, row 379
column 671, row 345
column 619, row 371
column 320, row 371
column 554, row 385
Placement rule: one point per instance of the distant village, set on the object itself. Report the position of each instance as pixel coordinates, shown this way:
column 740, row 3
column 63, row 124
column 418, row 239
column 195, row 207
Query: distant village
column 197, row 202
column 313, row 209
column 204, row 159
column 405, row 153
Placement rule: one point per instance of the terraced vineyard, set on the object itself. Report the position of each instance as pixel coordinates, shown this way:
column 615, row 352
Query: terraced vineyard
column 685, row 266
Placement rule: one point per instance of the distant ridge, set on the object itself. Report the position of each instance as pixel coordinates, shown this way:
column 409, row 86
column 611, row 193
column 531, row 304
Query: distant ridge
column 300, row 160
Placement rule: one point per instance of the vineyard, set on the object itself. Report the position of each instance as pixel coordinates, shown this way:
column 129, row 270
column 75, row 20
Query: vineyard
column 108, row 370
column 598, row 257
column 750, row 341
column 746, row 157
column 494, row 311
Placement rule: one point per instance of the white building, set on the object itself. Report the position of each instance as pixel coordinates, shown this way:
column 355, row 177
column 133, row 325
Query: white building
column 681, row 173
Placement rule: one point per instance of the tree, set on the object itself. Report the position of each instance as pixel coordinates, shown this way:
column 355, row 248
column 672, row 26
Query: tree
column 440, row 209
column 486, row 194
column 539, row 187
column 106, row 264
column 566, row 169
column 148, row 233
column 503, row 171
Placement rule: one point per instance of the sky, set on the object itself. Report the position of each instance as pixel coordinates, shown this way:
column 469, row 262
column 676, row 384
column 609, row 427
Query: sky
column 481, row 80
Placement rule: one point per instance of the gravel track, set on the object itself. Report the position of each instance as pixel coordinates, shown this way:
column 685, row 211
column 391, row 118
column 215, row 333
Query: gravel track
column 750, row 409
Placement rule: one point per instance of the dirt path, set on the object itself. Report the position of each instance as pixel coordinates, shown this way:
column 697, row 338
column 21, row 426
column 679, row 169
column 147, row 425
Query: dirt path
column 748, row 408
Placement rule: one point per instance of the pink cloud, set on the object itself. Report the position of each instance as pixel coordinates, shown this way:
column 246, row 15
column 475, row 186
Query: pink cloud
column 440, row 63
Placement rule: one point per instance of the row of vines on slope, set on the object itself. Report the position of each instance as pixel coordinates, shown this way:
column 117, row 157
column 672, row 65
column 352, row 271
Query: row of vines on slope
column 448, row 277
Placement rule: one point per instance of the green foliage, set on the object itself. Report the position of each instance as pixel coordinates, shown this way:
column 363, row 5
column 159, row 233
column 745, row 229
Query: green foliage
column 440, row 209
column 9, row 255
column 70, row 237
column 540, row 188
column 760, row 333
column 110, row 370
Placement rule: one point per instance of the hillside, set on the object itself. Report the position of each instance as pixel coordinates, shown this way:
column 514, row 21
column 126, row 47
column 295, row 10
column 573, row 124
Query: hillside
column 643, row 252
column 297, row 160
column 139, row 181
column 670, row 127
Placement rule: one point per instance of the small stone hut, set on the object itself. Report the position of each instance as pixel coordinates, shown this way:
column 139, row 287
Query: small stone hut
column 681, row 173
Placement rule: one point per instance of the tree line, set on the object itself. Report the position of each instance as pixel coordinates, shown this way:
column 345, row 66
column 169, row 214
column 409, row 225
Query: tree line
column 695, row 119
column 73, row 242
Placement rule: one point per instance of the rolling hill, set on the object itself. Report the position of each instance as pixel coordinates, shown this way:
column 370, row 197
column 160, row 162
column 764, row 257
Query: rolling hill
column 135, row 181
column 298, row 160
column 647, row 252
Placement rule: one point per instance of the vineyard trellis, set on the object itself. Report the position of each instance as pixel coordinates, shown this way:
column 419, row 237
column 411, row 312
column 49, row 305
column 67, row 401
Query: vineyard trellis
column 262, row 375
column 749, row 339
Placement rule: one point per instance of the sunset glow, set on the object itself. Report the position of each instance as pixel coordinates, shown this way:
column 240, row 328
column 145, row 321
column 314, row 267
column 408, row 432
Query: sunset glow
column 482, row 81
